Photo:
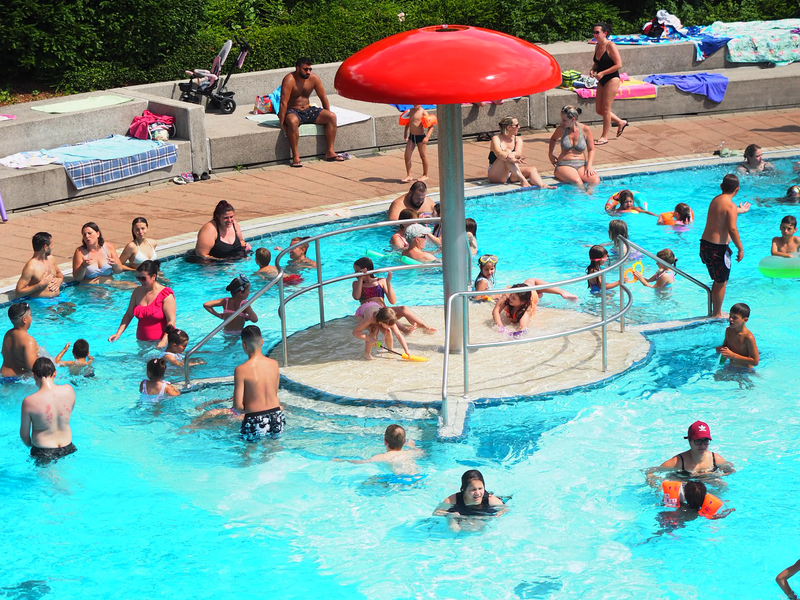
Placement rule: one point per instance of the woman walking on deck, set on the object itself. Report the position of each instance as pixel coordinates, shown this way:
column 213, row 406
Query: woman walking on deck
column 607, row 65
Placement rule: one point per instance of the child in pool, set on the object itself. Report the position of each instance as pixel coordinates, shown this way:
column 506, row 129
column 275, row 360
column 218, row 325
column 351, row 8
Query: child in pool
column 617, row 228
column 436, row 235
column 297, row 256
column 240, row 290
column 398, row 241
column 739, row 344
column 154, row 388
column 370, row 290
column 487, row 264
column 598, row 256
column 519, row 307
column 375, row 320
column 415, row 135
column 177, row 340
column 401, row 460
column 664, row 277
column 787, row 244
column 263, row 258
column 682, row 215
column 80, row 352
column 627, row 201
column 472, row 233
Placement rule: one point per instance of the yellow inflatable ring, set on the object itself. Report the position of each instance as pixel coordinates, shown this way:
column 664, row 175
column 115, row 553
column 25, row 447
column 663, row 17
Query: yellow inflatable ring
column 637, row 266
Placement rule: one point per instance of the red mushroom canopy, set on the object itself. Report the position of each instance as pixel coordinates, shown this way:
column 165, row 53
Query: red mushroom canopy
column 447, row 64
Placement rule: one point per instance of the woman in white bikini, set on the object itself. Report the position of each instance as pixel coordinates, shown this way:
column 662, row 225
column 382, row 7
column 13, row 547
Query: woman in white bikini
column 140, row 249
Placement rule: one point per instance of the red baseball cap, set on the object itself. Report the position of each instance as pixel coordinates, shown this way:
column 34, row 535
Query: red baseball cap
column 699, row 431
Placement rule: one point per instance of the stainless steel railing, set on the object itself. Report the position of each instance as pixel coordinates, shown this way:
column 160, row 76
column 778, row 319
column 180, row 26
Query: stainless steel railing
column 603, row 323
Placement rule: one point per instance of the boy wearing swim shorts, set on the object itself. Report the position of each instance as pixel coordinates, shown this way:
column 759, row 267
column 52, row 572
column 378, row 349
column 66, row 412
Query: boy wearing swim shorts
column 739, row 345
column 255, row 390
column 720, row 230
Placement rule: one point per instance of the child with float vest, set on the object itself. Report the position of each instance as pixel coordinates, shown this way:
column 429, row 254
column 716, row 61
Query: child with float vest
column 416, row 121
column 682, row 215
column 694, row 495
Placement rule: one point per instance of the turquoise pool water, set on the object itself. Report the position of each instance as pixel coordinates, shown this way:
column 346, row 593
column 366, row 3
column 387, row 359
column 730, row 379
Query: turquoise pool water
column 150, row 507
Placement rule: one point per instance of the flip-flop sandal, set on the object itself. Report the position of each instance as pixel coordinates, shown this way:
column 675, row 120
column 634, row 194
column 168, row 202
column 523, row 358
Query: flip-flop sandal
column 336, row 158
column 179, row 180
column 297, row 165
column 601, row 142
column 621, row 129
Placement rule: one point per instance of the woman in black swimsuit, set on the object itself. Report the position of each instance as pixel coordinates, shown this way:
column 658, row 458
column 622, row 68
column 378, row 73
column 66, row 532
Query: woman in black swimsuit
column 221, row 238
column 607, row 65
column 697, row 460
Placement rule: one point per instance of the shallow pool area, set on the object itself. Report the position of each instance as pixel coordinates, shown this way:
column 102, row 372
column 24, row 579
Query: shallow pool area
column 157, row 502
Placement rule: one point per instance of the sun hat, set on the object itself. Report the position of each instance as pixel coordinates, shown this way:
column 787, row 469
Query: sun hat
column 699, row 431
column 416, row 230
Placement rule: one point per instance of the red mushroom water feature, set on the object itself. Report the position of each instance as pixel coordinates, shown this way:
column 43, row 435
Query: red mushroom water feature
column 448, row 65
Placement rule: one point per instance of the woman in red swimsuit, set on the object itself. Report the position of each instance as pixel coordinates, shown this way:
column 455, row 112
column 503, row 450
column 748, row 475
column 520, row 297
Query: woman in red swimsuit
column 151, row 303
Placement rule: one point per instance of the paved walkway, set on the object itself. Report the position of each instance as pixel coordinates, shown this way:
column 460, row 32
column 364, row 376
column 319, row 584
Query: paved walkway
column 173, row 210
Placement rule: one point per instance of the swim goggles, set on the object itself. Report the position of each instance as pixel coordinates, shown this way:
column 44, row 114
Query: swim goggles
column 487, row 259
column 238, row 284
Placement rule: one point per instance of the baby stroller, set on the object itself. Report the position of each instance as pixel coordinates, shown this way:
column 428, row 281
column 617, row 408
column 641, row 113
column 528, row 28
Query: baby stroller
column 204, row 83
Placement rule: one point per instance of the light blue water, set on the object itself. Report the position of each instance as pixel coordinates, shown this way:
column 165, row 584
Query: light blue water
column 148, row 507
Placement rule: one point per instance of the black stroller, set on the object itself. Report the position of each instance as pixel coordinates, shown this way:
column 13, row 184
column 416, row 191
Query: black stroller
column 204, row 83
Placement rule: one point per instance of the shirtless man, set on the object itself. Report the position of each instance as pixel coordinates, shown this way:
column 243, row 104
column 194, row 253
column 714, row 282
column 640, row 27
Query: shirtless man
column 697, row 459
column 754, row 161
column 19, row 348
column 255, row 390
column 41, row 277
column 44, row 426
column 295, row 110
column 720, row 230
column 416, row 199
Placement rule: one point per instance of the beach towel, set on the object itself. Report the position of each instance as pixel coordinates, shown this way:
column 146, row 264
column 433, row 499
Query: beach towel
column 344, row 117
column 628, row 90
column 404, row 107
column 82, row 104
column 711, row 85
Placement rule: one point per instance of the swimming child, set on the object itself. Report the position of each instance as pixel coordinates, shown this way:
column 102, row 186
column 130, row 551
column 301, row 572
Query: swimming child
column 371, row 290
column 177, row 340
column 694, row 495
column 240, row 290
column 519, row 307
column 80, row 352
column 154, row 388
column 664, row 277
column 375, row 320
column 787, row 244
column 415, row 135
column 682, row 215
column 617, row 228
column 400, row 459
column 792, row 194
column 263, row 258
column 627, row 201
column 598, row 256
column 398, row 241
column 487, row 264
column 297, row 256
column 739, row 344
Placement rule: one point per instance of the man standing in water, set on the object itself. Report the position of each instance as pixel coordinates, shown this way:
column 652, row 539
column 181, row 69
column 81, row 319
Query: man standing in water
column 255, row 390
column 19, row 348
column 44, row 426
column 720, row 230
column 41, row 277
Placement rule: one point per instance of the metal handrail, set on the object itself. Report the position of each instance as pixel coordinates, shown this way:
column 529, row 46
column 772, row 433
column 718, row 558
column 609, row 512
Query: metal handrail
column 466, row 346
column 676, row 269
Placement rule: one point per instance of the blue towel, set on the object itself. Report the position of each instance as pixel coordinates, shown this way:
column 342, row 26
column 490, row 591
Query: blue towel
column 275, row 98
column 711, row 85
column 404, row 107
column 705, row 44
column 112, row 147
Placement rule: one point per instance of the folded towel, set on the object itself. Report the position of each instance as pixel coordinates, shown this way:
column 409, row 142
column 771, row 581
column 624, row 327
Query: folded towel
column 630, row 89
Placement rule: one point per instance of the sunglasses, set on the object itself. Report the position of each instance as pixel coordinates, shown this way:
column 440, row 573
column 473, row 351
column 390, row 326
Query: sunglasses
column 490, row 259
column 306, row 69
column 702, row 442
column 141, row 278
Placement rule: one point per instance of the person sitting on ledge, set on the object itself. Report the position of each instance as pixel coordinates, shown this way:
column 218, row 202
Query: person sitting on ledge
column 295, row 109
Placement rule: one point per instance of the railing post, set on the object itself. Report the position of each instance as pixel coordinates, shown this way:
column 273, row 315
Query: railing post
column 603, row 317
column 620, row 253
column 282, row 315
column 465, row 342
column 319, row 280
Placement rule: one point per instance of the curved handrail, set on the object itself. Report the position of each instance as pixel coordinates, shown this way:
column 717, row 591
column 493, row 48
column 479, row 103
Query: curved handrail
column 676, row 269
column 467, row 346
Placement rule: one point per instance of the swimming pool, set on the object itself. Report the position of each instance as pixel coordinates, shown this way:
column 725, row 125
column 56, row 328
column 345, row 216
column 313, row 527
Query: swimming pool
column 149, row 507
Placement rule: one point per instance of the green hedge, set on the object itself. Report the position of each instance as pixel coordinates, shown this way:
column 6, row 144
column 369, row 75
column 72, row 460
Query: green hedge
column 83, row 45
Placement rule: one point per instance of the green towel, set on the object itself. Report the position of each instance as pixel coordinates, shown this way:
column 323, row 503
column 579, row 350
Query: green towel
column 82, row 104
column 271, row 120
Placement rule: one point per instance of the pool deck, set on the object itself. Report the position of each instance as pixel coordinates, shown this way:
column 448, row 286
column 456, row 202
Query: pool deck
column 278, row 193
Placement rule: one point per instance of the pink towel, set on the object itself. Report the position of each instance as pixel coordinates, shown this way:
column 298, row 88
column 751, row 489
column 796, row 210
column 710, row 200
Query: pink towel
column 632, row 88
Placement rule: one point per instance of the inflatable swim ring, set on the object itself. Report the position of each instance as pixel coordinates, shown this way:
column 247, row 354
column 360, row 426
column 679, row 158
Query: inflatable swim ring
column 637, row 266
column 427, row 120
column 638, row 201
column 779, row 267
column 293, row 279
column 401, row 258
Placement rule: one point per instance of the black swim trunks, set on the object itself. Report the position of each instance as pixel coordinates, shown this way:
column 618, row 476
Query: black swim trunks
column 717, row 259
column 260, row 424
column 44, row 456
column 306, row 116
column 416, row 139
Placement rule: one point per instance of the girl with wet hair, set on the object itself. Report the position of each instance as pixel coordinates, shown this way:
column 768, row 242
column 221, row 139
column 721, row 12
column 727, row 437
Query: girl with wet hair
column 154, row 388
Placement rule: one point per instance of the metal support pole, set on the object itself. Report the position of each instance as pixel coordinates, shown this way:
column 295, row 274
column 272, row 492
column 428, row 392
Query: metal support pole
column 620, row 252
column 603, row 318
column 451, row 196
column 282, row 315
column 464, row 349
column 319, row 289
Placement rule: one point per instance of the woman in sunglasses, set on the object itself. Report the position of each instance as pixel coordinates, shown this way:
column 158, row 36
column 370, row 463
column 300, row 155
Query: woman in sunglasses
column 506, row 162
column 697, row 460
column 574, row 162
column 152, row 303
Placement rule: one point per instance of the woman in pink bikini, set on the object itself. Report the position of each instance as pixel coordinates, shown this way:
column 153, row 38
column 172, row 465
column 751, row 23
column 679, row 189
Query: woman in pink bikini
column 151, row 303
column 240, row 290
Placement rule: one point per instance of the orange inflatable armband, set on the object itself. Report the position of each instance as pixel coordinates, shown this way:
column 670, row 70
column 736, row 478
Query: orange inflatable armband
column 427, row 120
column 672, row 493
column 667, row 218
column 711, row 505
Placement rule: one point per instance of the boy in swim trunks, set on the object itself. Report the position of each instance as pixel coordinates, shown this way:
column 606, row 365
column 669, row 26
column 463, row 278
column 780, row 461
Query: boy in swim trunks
column 263, row 258
column 787, row 244
column 80, row 352
column 44, row 426
column 415, row 135
column 255, row 390
column 720, row 230
column 739, row 345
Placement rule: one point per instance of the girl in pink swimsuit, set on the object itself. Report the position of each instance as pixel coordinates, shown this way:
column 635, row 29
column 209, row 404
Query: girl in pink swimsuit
column 240, row 290
column 151, row 303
